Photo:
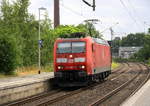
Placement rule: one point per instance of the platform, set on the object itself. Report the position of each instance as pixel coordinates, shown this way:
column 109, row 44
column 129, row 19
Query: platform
column 17, row 81
column 16, row 88
column 140, row 98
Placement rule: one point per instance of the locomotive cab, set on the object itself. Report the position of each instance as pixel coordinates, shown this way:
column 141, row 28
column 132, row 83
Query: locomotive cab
column 70, row 61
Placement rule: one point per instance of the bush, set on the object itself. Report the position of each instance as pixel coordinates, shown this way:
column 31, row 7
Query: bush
column 7, row 55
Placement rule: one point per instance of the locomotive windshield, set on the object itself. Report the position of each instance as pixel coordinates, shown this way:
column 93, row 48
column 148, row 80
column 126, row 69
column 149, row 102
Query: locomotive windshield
column 71, row 47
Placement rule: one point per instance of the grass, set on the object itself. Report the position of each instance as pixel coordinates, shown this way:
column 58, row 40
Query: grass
column 7, row 76
column 31, row 70
column 115, row 65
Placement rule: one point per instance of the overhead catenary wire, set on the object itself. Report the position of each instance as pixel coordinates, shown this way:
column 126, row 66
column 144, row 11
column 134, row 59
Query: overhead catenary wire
column 129, row 13
column 75, row 12
column 136, row 13
column 81, row 15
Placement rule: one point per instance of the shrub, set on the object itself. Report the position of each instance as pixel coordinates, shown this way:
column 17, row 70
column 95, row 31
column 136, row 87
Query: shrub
column 7, row 55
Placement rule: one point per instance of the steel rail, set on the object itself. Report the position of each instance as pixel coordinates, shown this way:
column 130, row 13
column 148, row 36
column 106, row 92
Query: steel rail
column 145, row 80
column 32, row 98
column 120, row 67
column 68, row 95
column 110, row 94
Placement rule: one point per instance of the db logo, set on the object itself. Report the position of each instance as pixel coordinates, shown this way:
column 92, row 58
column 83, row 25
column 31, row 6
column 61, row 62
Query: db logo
column 70, row 61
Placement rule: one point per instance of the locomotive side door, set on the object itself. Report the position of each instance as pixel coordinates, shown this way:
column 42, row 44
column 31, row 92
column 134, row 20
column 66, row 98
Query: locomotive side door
column 94, row 58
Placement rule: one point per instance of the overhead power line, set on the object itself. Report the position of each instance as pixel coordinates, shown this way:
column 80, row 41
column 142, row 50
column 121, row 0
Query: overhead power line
column 129, row 13
column 73, row 11
column 136, row 13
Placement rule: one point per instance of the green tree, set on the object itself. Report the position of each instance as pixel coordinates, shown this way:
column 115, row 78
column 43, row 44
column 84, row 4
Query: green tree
column 144, row 53
column 64, row 31
column 149, row 30
column 89, row 29
column 133, row 40
column 7, row 55
column 48, row 38
column 17, row 23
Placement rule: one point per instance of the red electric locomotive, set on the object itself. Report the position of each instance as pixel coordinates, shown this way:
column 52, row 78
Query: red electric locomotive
column 78, row 61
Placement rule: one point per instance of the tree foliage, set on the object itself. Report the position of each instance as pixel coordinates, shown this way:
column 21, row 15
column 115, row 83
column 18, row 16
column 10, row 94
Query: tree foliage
column 7, row 55
column 149, row 30
column 133, row 40
column 64, row 31
column 137, row 40
column 17, row 25
column 144, row 53
column 89, row 29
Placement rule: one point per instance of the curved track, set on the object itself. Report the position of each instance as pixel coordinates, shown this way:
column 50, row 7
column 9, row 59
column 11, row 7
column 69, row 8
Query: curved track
column 121, row 87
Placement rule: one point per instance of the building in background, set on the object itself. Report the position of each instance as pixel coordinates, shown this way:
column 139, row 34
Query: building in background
column 127, row 52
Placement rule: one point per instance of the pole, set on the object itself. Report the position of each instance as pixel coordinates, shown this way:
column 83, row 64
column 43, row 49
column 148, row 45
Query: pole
column 56, row 13
column 90, row 29
column 94, row 5
column 39, row 47
column 112, row 33
column 39, row 41
column 144, row 26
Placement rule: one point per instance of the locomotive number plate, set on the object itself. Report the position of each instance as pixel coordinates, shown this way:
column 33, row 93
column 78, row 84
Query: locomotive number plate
column 70, row 61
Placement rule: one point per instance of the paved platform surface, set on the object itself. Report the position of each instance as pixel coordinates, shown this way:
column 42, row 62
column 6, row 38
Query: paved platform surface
column 18, row 81
column 140, row 98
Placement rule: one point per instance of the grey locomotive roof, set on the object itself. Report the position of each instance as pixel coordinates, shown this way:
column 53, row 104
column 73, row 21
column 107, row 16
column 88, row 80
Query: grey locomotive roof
column 69, row 38
column 97, row 40
column 100, row 41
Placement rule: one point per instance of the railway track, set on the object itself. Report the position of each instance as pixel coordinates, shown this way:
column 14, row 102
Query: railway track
column 127, row 71
column 120, row 71
column 29, row 100
column 121, row 87
column 74, row 92
column 65, row 95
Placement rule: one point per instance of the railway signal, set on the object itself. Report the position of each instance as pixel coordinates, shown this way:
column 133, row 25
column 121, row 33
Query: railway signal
column 40, row 41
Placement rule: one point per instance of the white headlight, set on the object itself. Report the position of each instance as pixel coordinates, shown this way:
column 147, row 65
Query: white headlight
column 79, row 59
column 61, row 60
column 59, row 67
column 82, row 67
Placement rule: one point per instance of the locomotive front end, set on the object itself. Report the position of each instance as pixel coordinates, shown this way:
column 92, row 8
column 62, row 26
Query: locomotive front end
column 70, row 62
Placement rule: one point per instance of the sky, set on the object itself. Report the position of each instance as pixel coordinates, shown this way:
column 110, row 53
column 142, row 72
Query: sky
column 132, row 16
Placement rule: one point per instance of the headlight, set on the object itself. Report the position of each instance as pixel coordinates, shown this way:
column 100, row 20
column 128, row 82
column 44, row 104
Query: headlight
column 60, row 67
column 82, row 67
column 79, row 59
column 61, row 60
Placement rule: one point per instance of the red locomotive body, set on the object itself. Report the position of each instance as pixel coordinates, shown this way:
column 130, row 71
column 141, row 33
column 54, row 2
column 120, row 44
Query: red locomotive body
column 78, row 61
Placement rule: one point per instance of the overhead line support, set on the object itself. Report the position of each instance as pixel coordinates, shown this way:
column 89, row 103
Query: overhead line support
column 93, row 5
